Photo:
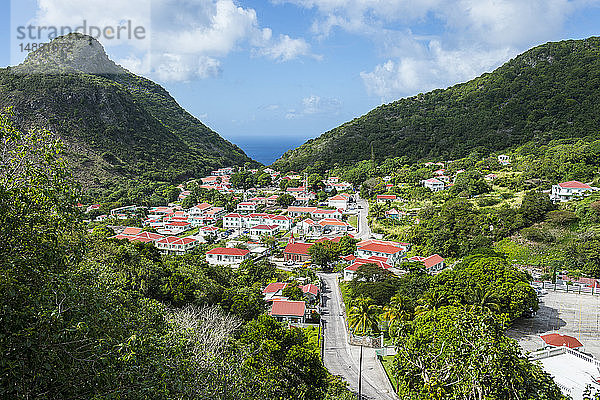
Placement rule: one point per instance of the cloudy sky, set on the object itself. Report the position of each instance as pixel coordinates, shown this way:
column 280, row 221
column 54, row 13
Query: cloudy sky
column 296, row 68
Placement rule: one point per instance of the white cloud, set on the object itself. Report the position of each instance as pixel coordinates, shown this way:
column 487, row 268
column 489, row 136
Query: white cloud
column 315, row 105
column 186, row 39
column 472, row 36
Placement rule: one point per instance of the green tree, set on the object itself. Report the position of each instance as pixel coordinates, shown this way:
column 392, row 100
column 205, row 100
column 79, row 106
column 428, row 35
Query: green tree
column 534, row 207
column 363, row 317
column 323, row 254
column 293, row 291
column 285, row 200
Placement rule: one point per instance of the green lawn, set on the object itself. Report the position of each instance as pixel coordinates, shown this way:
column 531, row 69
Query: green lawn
column 189, row 233
column 387, row 362
column 353, row 220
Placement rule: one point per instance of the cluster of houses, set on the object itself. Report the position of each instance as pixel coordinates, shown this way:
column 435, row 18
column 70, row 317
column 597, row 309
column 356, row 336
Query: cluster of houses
column 171, row 245
column 293, row 311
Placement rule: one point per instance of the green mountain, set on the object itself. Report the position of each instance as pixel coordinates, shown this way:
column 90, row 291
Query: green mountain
column 549, row 92
column 116, row 126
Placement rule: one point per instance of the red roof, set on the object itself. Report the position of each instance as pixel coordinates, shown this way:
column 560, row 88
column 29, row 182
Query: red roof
column 574, row 185
column 339, row 197
column 386, row 196
column 310, row 288
column 227, row 251
column 381, row 248
column 233, row 215
column 176, row 240
column 286, row 307
column 432, row 260
column 274, row 287
column 557, row 340
column 131, row 230
column 350, row 257
column 298, row 248
column 362, row 261
column 265, row 227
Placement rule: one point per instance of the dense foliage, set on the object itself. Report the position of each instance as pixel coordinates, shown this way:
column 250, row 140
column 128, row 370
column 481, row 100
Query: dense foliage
column 549, row 92
column 82, row 316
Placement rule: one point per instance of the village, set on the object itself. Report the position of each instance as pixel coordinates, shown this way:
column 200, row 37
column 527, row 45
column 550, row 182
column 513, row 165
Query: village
column 282, row 220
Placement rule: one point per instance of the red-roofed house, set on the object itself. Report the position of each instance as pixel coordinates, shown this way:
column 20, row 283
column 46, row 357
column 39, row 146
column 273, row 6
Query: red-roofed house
column 334, row 225
column 176, row 245
column 386, row 198
column 146, row 237
column 566, row 191
column 131, row 231
column 233, row 220
column 557, row 340
column 311, row 292
column 339, row 201
column 226, row 255
column 394, row 252
column 248, row 206
column 288, row 311
column 274, row 289
column 432, row 263
column 321, row 213
column 299, row 211
column 433, row 184
column 261, row 230
column 350, row 271
column 297, row 252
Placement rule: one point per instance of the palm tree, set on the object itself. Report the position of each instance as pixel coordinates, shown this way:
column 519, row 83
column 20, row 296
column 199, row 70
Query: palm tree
column 395, row 312
column 484, row 301
column 430, row 301
column 362, row 320
column 362, row 317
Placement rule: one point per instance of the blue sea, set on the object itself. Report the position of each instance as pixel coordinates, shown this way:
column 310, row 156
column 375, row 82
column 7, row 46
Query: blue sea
column 267, row 149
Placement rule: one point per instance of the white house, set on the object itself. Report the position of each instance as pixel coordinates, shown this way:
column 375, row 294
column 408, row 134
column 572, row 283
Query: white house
column 334, row 225
column 339, row 201
column 261, row 230
column 386, row 198
column 321, row 214
column 232, row 221
column 504, row 159
column 176, row 245
column 350, row 271
column 568, row 190
column 288, row 311
column 433, row 263
column 223, row 255
column 246, row 206
column 433, row 184
column 392, row 251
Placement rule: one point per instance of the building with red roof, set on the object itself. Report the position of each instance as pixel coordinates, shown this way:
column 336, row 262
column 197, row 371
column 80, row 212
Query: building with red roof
column 433, row 263
column 289, row 311
column 176, row 245
column 227, row 255
column 297, row 252
column 350, row 271
column 566, row 191
column 386, row 198
column 393, row 251
column 558, row 340
column 261, row 230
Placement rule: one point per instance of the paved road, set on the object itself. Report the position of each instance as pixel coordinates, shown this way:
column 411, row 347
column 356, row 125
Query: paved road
column 364, row 230
column 342, row 359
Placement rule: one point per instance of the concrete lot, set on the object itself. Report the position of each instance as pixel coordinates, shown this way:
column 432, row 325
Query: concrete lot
column 565, row 313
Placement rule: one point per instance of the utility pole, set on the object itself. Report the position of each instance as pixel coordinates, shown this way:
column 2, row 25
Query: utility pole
column 360, row 374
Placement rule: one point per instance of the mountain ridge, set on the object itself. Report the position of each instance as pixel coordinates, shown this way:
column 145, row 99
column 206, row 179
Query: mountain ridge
column 115, row 125
column 549, row 91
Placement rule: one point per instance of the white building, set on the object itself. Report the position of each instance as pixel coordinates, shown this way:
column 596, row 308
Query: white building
column 227, row 256
column 566, row 191
column 392, row 251
column 433, row 184
column 339, row 201
column 246, row 206
column 261, row 230
column 504, row 159
column 176, row 245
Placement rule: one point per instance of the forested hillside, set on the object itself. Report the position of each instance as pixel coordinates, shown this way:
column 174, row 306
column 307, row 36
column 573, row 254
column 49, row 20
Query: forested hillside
column 549, row 92
column 115, row 125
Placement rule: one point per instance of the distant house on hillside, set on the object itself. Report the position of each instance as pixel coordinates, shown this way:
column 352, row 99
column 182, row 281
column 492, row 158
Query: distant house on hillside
column 432, row 264
column 504, row 159
column 386, row 198
column 175, row 245
column 433, row 184
column 566, row 191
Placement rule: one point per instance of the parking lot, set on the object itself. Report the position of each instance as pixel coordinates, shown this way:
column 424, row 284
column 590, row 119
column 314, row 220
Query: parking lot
column 565, row 313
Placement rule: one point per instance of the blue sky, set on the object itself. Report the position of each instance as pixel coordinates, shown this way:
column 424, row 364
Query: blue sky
column 292, row 69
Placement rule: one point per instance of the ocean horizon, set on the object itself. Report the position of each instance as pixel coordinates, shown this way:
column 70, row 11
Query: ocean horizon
column 266, row 149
